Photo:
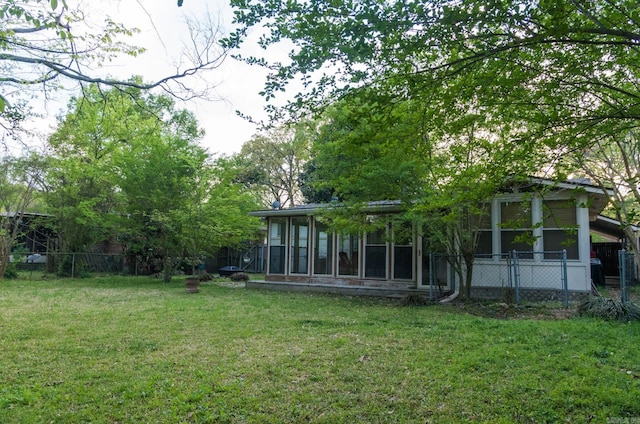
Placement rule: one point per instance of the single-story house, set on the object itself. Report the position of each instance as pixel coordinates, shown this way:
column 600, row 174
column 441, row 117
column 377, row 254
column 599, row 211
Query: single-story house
column 302, row 254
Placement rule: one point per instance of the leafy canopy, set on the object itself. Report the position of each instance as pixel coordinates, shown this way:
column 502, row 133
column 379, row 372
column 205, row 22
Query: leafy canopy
column 565, row 69
column 128, row 163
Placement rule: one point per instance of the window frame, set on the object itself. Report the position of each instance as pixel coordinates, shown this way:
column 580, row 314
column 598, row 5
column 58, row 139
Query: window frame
column 319, row 228
column 370, row 248
column 281, row 246
column 299, row 253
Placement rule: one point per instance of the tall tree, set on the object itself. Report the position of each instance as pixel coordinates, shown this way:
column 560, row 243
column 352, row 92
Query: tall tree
column 86, row 147
column 523, row 82
column 566, row 69
column 373, row 151
column 271, row 162
column 43, row 42
column 20, row 180
column 128, row 163
column 613, row 163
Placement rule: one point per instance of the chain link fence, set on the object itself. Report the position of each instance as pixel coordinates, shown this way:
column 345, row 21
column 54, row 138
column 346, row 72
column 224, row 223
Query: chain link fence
column 628, row 273
column 515, row 277
column 76, row 264
column 82, row 263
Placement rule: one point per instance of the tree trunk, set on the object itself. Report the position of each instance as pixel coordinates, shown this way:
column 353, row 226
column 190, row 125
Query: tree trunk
column 168, row 269
column 468, row 262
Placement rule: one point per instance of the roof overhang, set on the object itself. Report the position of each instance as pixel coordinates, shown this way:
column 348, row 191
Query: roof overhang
column 609, row 227
column 383, row 206
column 598, row 199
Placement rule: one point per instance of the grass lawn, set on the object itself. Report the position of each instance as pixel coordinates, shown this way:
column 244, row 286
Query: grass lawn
column 132, row 350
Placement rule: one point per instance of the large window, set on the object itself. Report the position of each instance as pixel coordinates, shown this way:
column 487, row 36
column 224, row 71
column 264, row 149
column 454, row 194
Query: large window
column 516, row 230
column 348, row 247
column 323, row 250
column 299, row 245
column 484, row 246
column 559, row 227
column 375, row 261
column 277, row 239
column 403, row 252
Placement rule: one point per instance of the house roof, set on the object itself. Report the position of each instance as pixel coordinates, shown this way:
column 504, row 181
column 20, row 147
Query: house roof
column 598, row 197
column 610, row 227
column 309, row 209
column 11, row 214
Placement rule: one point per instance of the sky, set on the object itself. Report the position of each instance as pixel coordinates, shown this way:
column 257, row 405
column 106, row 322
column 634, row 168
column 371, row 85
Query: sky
column 164, row 34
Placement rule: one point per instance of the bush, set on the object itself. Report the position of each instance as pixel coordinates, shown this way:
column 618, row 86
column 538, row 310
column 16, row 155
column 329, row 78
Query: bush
column 11, row 272
column 609, row 309
column 239, row 276
column 413, row 299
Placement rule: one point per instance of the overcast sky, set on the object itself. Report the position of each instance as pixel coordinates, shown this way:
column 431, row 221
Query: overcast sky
column 164, row 34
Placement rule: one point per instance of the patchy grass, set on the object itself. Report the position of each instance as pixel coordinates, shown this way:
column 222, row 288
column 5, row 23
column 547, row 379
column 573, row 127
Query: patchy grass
column 128, row 350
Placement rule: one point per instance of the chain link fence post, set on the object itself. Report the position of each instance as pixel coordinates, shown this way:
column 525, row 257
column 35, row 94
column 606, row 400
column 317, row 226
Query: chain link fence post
column 565, row 280
column 431, row 276
column 622, row 262
column 516, row 275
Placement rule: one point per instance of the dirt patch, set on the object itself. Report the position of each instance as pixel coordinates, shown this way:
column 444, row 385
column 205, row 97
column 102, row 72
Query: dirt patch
column 510, row 311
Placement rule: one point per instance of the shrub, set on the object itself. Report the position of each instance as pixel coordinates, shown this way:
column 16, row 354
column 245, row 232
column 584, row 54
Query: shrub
column 239, row 276
column 11, row 272
column 609, row 309
column 413, row 299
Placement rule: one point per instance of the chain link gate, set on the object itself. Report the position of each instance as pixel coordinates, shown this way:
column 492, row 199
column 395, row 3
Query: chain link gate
column 628, row 274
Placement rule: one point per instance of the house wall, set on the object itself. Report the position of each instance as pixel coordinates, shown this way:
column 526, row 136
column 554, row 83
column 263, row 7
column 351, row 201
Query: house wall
column 539, row 271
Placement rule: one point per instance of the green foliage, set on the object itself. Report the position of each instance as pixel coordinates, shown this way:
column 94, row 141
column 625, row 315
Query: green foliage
column 11, row 271
column 128, row 164
column 270, row 163
column 369, row 149
column 239, row 276
column 556, row 74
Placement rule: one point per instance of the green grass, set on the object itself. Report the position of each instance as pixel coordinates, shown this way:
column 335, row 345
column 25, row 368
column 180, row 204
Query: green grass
column 131, row 350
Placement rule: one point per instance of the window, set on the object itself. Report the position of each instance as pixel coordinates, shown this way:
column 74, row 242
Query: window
column 323, row 250
column 559, row 227
column 516, row 230
column 348, row 247
column 403, row 252
column 299, row 245
column 484, row 246
column 376, row 254
column 277, row 237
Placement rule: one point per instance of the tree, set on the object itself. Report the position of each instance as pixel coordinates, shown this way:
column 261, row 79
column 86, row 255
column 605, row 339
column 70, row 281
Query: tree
column 45, row 42
column 381, row 151
column 565, row 70
column 86, row 146
column 20, row 180
column 613, row 163
column 127, row 163
column 272, row 162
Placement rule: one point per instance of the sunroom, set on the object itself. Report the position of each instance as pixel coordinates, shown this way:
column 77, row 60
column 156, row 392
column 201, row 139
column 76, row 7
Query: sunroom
column 540, row 226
